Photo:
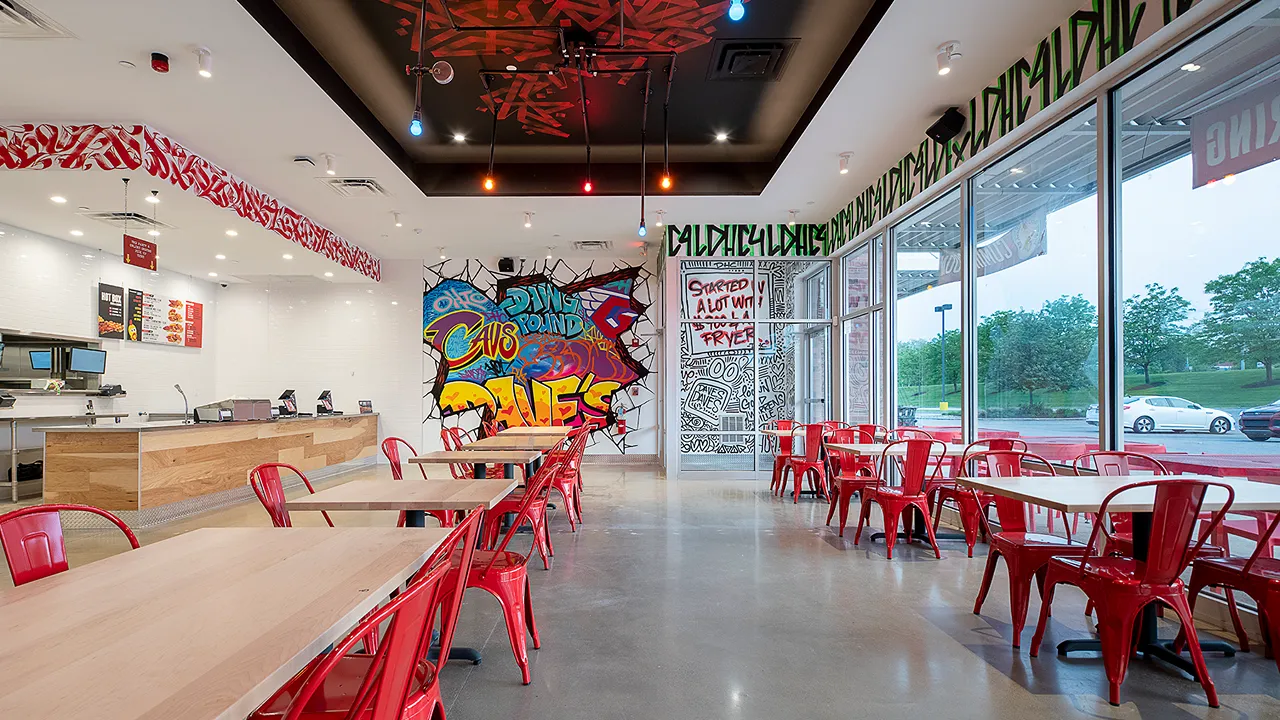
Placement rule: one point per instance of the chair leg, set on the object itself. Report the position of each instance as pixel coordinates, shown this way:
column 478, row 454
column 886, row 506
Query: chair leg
column 511, row 597
column 1019, row 596
column 844, row 501
column 1241, row 636
column 1180, row 605
column 1115, row 630
column 835, row 500
column 1269, row 619
column 1194, row 588
column 928, row 529
column 528, row 615
column 987, row 576
column 890, row 530
column 864, row 513
column 797, row 479
column 1051, row 581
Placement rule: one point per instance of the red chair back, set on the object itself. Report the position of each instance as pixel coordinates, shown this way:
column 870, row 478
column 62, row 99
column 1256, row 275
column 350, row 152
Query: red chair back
column 453, row 438
column 843, row 460
column 461, row 541
column 391, row 449
column 1116, row 462
column 812, row 435
column 488, row 428
column 832, row 425
column 922, row 455
column 1263, row 548
column 908, row 433
column 1006, row 463
column 33, row 542
column 535, row 489
column 876, row 432
column 268, row 486
column 785, row 443
column 384, row 690
column 1173, row 521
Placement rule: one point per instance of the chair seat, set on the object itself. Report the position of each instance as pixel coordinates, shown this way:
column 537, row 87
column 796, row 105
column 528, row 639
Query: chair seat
column 1115, row 570
column 1034, row 540
column 506, row 564
column 855, row 478
column 1123, row 544
column 892, row 492
column 337, row 693
column 1265, row 568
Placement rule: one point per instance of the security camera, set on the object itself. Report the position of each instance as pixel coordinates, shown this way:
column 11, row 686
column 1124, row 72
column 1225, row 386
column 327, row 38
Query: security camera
column 223, row 284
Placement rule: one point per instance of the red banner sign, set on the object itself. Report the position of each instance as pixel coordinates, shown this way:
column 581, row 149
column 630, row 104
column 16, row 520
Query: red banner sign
column 139, row 253
column 1237, row 135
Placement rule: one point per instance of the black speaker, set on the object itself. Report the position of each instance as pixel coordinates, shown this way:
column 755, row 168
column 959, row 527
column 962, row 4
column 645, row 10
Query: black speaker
column 947, row 127
column 506, row 265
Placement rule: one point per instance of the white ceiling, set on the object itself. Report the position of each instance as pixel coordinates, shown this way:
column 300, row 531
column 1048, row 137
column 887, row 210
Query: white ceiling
column 260, row 110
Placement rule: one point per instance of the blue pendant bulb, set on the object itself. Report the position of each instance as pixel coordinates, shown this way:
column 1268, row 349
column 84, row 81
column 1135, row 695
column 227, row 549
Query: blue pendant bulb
column 415, row 125
column 642, row 231
column 736, row 10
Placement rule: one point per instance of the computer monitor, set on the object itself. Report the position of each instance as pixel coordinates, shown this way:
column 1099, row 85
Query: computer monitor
column 289, row 403
column 41, row 359
column 85, row 360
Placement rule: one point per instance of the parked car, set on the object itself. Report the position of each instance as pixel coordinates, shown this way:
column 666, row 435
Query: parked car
column 1261, row 423
column 1148, row 413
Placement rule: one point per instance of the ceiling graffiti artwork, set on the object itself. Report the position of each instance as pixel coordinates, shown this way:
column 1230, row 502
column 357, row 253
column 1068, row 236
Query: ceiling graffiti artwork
column 565, row 97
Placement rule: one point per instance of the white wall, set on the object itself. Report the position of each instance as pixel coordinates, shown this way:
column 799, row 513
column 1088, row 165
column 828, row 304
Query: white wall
column 49, row 285
column 310, row 335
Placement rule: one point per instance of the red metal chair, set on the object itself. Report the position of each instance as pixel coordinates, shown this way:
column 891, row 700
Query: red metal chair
column 391, row 449
column 946, row 489
column 423, row 700
column 376, row 685
column 908, row 433
column 811, row 463
column 1121, row 587
column 267, row 485
column 921, row 455
column 33, row 542
column 452, row 438
column 851, row 473
column 878, row 433
column 537, row 512
column 1258, row 576
column 568, row 482
column 1026, row 554
column 783, row 452
column 504, row 574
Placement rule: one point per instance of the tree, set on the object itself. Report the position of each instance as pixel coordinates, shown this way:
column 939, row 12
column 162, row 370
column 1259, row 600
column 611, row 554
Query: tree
column 1244, row 316
column 1046, row 350
column 1151, row 326
column 911, row 363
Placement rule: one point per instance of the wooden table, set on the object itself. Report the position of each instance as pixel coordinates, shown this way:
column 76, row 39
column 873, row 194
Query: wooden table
column 543, row 430
column 1085, row 495
column 414, row 497
column 204, row 625
column 479, row 458
column 1251, row 466
column 502, row 441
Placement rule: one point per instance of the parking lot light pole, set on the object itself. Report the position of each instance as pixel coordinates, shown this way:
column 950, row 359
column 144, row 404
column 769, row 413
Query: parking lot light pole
column 943, row 310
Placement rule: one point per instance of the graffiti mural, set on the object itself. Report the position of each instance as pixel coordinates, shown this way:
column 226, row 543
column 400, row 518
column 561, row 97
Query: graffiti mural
column 779, row 240
column 546, row 345
column 1093, row 38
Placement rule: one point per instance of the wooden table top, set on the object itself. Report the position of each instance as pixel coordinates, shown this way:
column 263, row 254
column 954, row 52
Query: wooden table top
column 544, row 430
column 1085, row 494
column 459, row 457
column 515, row 442
column 878, row 449
column 207, row 624
column 407, row 495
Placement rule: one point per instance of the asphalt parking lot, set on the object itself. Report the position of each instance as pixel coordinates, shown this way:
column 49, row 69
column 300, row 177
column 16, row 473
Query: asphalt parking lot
column 1232, row 443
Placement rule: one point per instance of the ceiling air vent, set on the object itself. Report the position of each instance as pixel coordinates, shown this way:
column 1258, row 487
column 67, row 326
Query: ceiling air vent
column 759, row 60
column 356, row 187
column 592, row 245
column 19, row 21
column 132, row 220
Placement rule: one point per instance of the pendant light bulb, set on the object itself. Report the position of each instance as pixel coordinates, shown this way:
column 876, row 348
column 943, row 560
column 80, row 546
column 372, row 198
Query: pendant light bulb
column 666, row 182
column 587, row 187
column 642, row 230
column 736, row 10
column 488, row 182
column 415, row 125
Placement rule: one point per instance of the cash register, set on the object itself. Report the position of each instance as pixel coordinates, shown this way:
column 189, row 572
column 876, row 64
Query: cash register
column 289, row 406
column 325, row 406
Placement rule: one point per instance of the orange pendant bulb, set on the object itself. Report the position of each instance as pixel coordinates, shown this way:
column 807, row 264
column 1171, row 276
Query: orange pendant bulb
column 488, row 182
column 666, row 182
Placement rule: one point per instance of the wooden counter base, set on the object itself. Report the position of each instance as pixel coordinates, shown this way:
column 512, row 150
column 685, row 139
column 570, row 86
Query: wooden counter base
column 147, row 468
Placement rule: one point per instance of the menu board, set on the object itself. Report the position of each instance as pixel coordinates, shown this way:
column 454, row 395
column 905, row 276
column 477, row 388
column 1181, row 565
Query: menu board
column 149, row 318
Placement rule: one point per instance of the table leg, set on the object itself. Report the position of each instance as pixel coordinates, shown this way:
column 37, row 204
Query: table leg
column 919, row 533
column 13, row 460
column 1148, row 638
column 415, row 518
column 509, row 471
column 480, row 471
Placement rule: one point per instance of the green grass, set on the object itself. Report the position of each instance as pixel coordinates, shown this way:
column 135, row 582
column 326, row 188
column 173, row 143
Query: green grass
column 1216, row 389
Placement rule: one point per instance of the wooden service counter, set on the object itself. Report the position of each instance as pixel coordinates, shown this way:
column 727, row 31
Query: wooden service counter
column 146, row 465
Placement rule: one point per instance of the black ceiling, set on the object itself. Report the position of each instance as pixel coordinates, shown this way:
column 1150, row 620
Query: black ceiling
column 760, row 80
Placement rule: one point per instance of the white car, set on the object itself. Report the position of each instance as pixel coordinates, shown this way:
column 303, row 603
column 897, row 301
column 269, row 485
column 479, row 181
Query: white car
column 1148, row 413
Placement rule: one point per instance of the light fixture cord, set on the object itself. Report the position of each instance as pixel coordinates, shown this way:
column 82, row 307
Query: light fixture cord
column 493, row 133
column 644, row 127
column 582, row 95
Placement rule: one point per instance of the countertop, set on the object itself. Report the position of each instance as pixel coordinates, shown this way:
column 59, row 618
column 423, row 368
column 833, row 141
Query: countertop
column 179, row 425
column 108, row 417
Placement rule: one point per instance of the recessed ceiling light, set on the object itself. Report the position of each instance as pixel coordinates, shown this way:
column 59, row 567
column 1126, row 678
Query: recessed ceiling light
column 511, row 68
column 393, row 302
column 328, row 274
column 213, row 274
column 58, row 199
column 77, row 233
column 153, row 233
column 287, row 256
column 1191, row 67
column 127, row 64
column 219, row 257
column 348, row 302
column 1016, row 171
column 87, row 256
column 155, row 274
column 722, row 136
column 459, row 138
column 232, row 233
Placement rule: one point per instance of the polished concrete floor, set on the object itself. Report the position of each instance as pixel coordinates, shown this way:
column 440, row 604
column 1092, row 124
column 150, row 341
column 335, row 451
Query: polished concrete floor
column 701, row 599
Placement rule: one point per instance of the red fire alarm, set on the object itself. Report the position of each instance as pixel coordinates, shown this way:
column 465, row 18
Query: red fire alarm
column 159, row 62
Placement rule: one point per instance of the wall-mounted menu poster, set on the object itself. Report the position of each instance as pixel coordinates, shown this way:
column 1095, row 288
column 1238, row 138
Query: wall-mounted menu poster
column 152, row 318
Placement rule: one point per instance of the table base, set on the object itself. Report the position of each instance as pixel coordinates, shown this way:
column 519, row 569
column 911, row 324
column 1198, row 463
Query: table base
column 1160, row 650
column 922, row 535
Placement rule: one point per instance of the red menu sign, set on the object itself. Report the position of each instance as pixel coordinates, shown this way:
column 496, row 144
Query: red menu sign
column 143, row 317
column 195, row 325
column 139, row 253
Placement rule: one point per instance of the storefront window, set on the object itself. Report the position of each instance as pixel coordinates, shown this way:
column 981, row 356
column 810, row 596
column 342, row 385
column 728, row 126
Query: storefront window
column 1036, row 259
column 927, row 247
column 1201, row 263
